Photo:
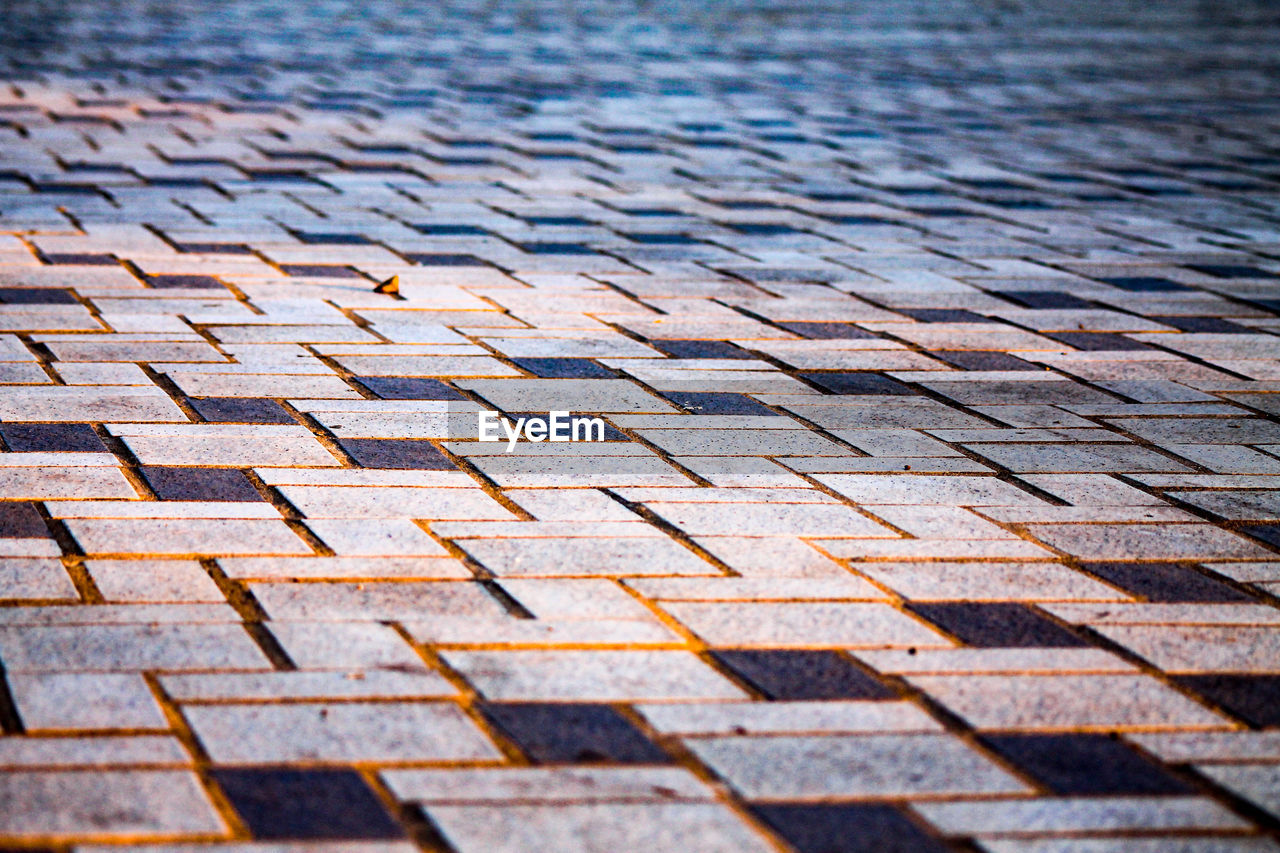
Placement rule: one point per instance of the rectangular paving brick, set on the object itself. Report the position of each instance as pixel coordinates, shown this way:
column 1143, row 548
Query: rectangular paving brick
column 801, row 674
column 1085, row 764
column 586, row 676
column 144, row 536
column 175, row 483
column 102, row 648
column 571, row 732
column 392, row 453
column 1065, row 702
column 278, row 803
column 66, row 437
column 813, row 624
column 863, row 766
column 810, row 828
column 712, row 827
column 999, row 624
column 339, row 732
column 98, row 803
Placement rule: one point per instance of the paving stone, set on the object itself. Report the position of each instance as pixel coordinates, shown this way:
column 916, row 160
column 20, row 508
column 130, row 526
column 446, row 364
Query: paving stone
column 100, row 751
column 554, row 556
column 864, row 766
column 375, row 501
column 1104, row 542
column 1055, row 458
column 340, row 732
column 72, row 479
column 1165, row 582
column 1257, row 783
column 1057, row 702
column 576, row 733
column 846, row 828
column 400, row 683
column 1249, row 697
column 974, row 582
column 85, row 701
column 791, row 624
column 188, row 536
column 245, row 410
column 35, row 579
column 338, row 645
column 859, row 383
column 231, row 445
column 1199, row 648
column 153, row 581
column 1030, row 660
column 64, row 437
column 573, row 395
column 392, row 453
column 997, row 625
column 778, row 518
column 127, row 647
column 1183, row 747
column 717, row 403
column 798, row 674
column 563, row 368
column 1078, row 814
column 409, row 388
column 199, row 484
column 376, row 537
column 558, row 784
column 1194, row 614
column 69, row 404
column 21, row 521
column 344, row 568
column 595, row 828
column 834, row 716
column 279, row 803
column 925, row 489
column 929, row 363
column 377, row 601
column 586, row 677
column 120, row 804
column 1085, row 764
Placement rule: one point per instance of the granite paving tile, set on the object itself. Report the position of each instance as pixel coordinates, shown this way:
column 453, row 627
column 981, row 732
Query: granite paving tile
column 594, row 828
column 811, row 624
column 85, row 701
column 547, row 784
column 93, row 751
column 278, row 803
column 1056, row 702
column 338, row 732
column 583, row 676
column 1257, row 783
column 35, row 579
column 571, row 732
column 124, row 804
column 795, row 767
column 1086, row 764
column 148, row 536
column 130, row 648
column 999, row 817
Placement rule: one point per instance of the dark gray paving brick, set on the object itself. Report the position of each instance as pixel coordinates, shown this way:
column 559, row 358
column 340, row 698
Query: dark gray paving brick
column 573, row 733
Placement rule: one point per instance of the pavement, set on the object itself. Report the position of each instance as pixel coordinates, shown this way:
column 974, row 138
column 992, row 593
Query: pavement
column 937, row 347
